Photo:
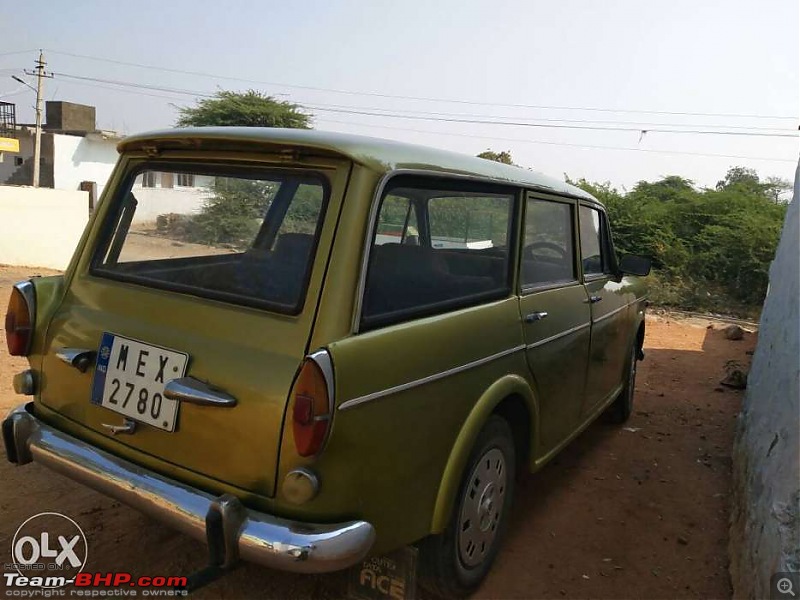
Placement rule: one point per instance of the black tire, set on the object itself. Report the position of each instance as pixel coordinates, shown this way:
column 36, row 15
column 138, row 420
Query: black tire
column 622, row 408
column 446, row 566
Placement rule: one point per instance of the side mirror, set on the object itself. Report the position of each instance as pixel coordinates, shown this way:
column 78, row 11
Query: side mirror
column 631, row 264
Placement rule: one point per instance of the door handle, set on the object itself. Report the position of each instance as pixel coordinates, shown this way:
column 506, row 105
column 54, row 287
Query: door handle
column 194, row 391
column 594, row 299
column 79, row 358
column 535, row 316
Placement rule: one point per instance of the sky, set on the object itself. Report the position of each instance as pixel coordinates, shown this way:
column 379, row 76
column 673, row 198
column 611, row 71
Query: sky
column 596, row 82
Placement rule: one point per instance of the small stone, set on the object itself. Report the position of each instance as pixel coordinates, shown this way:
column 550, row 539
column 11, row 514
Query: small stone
column 736, row 379
column 734, row 332
column 719, row 389
column 683, row 541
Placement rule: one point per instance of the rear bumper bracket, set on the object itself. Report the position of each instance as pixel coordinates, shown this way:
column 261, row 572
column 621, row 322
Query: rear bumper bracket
column 232, row 531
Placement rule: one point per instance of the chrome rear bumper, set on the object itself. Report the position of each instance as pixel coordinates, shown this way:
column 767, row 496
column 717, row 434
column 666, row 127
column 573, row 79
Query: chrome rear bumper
column 230, row 530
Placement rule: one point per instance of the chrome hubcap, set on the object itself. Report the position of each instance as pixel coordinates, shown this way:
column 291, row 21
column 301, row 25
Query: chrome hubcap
column 482, row 507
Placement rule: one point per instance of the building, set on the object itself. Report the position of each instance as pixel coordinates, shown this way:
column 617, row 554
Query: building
column 73, row 150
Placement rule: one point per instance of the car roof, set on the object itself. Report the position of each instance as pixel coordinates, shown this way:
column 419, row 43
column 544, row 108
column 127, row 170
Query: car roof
column 377, row 154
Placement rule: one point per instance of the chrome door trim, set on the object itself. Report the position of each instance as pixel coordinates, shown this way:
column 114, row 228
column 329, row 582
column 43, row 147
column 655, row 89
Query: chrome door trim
column 553, row 338
column 430, row 378
column 610, row 314
column 535, row 288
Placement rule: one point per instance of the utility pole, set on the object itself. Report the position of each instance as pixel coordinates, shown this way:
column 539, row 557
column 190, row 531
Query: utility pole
column 40, row 74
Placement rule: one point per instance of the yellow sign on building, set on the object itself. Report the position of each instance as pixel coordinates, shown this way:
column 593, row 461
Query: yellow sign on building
column 9, row 145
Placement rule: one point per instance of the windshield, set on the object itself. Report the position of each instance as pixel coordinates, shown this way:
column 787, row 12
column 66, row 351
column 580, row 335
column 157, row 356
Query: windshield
column 232, row 234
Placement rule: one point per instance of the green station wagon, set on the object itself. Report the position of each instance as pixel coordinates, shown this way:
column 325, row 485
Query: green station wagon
column 307, row 348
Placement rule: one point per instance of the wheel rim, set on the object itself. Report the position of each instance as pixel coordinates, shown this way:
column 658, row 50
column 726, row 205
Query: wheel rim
column 482, row 507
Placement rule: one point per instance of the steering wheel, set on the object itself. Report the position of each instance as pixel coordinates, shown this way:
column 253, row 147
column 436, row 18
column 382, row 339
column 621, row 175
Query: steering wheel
column 527, row 252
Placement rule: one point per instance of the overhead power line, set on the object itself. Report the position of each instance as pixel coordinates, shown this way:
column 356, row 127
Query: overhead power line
column 123, row 90
column 416, row 98
column 143, row 86
column 16, row 52
column 549, row 125
column 549, row 143
column 639, row 124
column 453, row 119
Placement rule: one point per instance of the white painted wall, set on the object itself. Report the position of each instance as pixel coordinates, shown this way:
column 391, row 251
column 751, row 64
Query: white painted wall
column 79, row 159
column 765, row 519
column 160, row 201
column 40, row 227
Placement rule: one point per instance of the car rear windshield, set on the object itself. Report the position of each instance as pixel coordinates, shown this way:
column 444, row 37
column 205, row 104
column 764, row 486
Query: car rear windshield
column 221, row 232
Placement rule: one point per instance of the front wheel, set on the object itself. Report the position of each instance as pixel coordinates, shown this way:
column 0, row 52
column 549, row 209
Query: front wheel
column 621, row 409
column 453, row 563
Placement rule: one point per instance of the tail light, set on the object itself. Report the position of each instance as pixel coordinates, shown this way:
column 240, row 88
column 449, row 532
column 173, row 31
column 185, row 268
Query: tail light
column 312, row 404
column 20, row 319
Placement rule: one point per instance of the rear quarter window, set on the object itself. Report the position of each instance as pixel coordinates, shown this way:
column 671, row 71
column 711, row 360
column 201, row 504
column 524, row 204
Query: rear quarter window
column 451, row 250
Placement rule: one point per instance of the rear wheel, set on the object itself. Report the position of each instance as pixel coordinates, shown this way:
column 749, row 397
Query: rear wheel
column 620, row 411
column 453, row 563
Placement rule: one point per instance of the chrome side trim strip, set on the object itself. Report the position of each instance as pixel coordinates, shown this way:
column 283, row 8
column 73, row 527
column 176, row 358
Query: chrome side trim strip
column 611, row 314
column 430, row 378
column 553, row 338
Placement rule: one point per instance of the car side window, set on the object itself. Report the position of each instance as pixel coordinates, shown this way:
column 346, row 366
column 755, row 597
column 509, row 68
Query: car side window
column 592, row 242
column 397, row 222
column 548, row 253
column 460, row 256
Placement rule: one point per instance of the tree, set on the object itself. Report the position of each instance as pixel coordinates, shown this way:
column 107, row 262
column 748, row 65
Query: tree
column 711, row 248
column 742, row 177
column 246, row 109
column 504, row 156
column 778, row 189
column 233, row 213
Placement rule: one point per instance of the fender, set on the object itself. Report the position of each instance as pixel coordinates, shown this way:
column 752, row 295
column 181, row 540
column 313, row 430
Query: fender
column 501, row 389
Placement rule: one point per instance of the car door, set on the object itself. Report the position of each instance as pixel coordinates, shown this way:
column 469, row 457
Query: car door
column 439, row 324
column 555, row 314
column 609, row 305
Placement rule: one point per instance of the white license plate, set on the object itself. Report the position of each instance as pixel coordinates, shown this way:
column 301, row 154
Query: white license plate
column 130, row 378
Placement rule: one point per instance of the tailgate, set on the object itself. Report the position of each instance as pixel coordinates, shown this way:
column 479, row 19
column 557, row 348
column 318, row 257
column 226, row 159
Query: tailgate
column 204, row 270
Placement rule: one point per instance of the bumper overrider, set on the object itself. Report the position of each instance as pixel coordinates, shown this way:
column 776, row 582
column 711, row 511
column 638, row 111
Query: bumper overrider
column 231, row 530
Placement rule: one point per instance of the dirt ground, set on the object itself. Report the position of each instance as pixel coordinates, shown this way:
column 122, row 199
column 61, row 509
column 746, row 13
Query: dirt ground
column 639, row 511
